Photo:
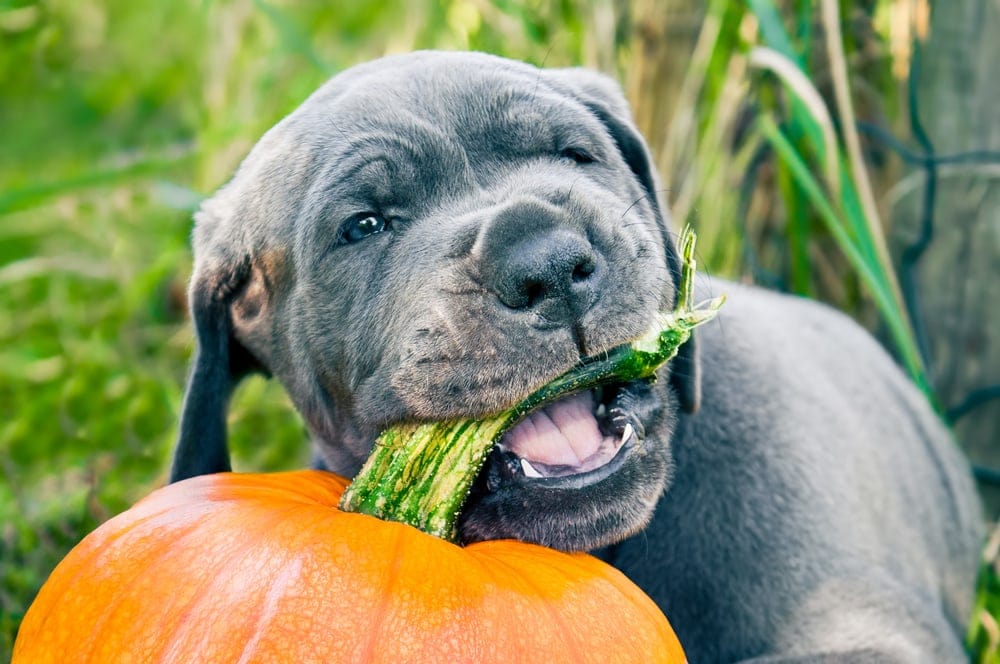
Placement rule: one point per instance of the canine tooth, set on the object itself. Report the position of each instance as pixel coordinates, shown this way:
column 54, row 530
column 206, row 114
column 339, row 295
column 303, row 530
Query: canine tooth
column 529, row 470
column 628, row 431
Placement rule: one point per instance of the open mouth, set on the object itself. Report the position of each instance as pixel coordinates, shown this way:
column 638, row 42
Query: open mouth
column 578, row 439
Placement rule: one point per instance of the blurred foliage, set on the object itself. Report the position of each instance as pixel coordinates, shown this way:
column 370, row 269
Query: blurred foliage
column 984, row 632
column 119, row 117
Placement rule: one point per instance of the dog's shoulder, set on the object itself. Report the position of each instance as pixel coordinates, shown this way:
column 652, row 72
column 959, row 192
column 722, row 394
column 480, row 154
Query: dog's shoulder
column 767, row 325
column 797, row 377
column 809, row 447
column 808, row 359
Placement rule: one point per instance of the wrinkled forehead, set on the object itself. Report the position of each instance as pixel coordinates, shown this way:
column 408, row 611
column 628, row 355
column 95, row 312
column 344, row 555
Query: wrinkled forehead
column 479, row 103
column 409, row 128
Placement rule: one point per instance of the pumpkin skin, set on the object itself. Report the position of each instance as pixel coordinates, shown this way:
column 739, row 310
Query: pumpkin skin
column 266, row 568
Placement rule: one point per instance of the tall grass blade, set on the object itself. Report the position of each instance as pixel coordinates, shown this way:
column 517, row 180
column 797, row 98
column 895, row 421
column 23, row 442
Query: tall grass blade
column 871, row 275
column 876, row 235
column 772, row 29
column 782, row 66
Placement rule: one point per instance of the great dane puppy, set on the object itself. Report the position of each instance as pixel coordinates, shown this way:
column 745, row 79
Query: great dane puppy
column 435, row 235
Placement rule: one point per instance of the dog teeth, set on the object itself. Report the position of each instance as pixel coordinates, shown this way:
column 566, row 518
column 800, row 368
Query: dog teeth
column 529, row 470
column 628, row 431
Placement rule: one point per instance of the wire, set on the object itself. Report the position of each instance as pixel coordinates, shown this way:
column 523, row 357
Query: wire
column 911, row 157
column 973, row 400
column 912, row 253
column 929, row 161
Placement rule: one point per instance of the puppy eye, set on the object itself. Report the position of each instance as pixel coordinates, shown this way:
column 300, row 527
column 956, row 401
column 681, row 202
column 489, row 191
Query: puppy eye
column 577, row 155
column 361, row 226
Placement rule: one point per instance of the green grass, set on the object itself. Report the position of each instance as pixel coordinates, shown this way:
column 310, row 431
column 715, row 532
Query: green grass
column 119, row 117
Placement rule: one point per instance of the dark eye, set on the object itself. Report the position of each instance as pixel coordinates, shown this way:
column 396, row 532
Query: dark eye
column 577, row 155
column 361, row 226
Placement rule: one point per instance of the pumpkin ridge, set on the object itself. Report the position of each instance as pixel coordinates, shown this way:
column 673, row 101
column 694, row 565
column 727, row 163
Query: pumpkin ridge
column 205, row 589
column 267, row 487
column 81, row 562
column 87, row 562
column 625, row 588
column 526, row 577
column 640, row 601
column 573, row 568
column 289, row 575
column 379, row 613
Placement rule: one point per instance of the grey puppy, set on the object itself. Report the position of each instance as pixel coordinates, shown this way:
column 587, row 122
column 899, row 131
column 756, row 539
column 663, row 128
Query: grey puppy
column 435, row 235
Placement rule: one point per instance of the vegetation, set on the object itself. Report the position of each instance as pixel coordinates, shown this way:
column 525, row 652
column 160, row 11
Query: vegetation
column 119, row 117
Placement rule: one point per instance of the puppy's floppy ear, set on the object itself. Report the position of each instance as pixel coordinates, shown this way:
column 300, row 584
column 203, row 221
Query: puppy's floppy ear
column 220, row 362
column 604, row 98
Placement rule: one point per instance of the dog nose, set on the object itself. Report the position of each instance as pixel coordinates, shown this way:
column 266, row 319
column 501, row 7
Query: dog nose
column 535, row 262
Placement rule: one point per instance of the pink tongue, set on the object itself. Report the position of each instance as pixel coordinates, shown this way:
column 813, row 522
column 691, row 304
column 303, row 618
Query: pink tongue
column 564, row 433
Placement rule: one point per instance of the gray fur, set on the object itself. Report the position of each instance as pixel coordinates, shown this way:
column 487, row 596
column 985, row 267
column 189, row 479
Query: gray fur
column 817, row 505
column 812, row 509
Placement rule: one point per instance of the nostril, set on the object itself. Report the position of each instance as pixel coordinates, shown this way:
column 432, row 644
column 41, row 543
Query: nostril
column 535, row 262
column 534, row 291
column 583, row 270
column 529, row 284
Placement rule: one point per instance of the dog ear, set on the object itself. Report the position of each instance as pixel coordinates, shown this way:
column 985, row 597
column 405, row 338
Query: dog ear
column 219, row 364
column 228, row 299
column 603, row 97
column 201, row 444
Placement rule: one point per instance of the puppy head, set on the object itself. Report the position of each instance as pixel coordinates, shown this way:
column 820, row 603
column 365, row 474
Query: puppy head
column 435, row 236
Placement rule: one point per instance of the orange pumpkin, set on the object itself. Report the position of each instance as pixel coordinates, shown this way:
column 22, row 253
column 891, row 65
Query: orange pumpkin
column 255, row 567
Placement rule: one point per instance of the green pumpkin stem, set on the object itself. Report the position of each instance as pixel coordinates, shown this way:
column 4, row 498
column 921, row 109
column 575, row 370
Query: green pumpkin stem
column 421, row 474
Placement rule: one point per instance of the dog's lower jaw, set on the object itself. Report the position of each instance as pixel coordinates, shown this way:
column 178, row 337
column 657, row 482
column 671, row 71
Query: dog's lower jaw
column 586, row 517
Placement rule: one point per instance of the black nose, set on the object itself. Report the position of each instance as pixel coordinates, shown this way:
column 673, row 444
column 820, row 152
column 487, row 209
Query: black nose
column 535, row 261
